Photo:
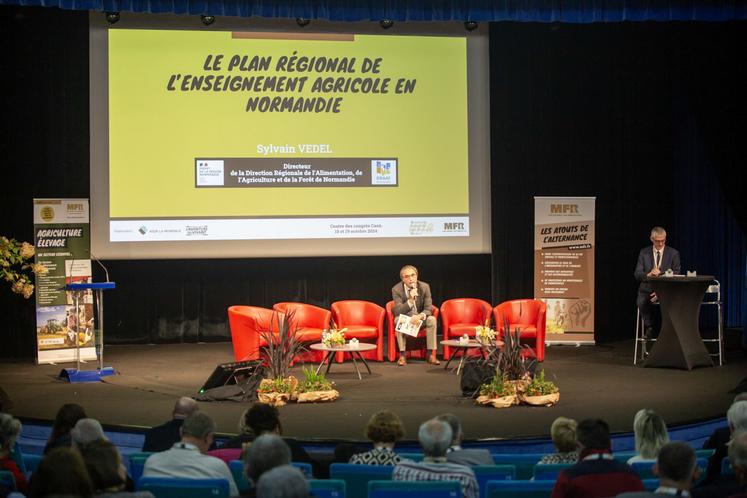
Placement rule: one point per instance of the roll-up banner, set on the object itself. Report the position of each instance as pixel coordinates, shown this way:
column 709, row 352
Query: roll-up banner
column 564, row 266
column 62, row 238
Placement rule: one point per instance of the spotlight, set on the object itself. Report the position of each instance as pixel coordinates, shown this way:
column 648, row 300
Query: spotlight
column 470, row 25
column 111, row 17
column 302, row 21
column 386, row 23
column 207, row 20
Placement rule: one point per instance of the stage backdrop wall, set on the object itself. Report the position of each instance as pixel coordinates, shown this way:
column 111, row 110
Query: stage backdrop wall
column 598, row 105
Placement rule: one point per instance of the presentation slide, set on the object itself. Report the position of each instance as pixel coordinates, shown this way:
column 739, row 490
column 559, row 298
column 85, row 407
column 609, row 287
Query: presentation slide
column 278, row 136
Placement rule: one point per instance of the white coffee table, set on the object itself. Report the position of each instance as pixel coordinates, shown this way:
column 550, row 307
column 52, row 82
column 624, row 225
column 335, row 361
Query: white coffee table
column 347, row 348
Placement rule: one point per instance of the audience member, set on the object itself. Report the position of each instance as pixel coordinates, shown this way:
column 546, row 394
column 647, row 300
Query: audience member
column 61, row 473
column 163, row 437
column 719, row 441
column 86, row 430
column 563, row 434
column 651, row 434
column 104, row 465
column 10, row 428
column 435, row 438
column 66, row 418
column 266, row 452
column 738, row 460
column 677, row 469
column 457, row 454
column 597, row 473
column 188, row 458
column 285, row 481
column 384, row 429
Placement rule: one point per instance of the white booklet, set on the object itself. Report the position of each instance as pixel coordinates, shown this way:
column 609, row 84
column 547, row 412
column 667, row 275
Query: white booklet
column 405, row 326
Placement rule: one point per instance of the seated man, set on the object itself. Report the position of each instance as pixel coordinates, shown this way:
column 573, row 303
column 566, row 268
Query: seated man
column 435, row 438
column 457, row 454
column 267, row 452
column 677, row 469
column 164, row 436
column 413, row 298
column 188, row 459
column 597, row 473
column 285, row 481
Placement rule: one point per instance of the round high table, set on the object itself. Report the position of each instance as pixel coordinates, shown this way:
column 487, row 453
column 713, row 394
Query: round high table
column 346, row 348
column 679, row 344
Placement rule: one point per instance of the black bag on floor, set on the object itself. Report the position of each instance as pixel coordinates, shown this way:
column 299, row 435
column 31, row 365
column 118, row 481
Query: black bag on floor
column 475, row 373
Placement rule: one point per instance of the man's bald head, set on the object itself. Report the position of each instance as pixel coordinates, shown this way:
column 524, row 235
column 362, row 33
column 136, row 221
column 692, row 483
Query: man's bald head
column 184, row 407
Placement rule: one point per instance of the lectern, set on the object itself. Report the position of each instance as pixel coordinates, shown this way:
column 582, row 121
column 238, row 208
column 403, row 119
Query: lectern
column 76, row 374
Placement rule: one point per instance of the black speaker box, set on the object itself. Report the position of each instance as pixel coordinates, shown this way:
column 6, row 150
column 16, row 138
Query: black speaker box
column 238, row 372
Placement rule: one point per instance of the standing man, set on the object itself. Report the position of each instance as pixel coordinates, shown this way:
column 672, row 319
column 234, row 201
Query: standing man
column 413, row 298
column 653, row 261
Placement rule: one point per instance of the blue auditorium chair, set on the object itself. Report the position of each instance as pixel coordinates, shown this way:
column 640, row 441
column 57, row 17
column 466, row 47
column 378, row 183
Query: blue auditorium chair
column 415, row 457
column 519, row 489
column 357, row 476
column 239, row 477
column 137, row 462
column 726, row 468
column 524, row 462
column 549, row 471
column 173, row 487
column 485, row 473
column 305, row 468
column 414, row 489
column 7, row 480
column 327, row 488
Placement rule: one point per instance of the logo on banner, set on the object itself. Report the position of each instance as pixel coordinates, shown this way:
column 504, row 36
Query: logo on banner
column 454, row 226
column 564, row 209
column 47, row 213
column 383, row 172
column 420, row 227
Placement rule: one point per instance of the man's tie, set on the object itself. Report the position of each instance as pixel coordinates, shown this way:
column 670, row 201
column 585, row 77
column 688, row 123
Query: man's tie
column 658, row 258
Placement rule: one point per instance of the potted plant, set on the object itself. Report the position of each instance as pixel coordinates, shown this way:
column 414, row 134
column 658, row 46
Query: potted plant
column 315, row 387
column 282, row 348
column 498, row 393
column 540, row 392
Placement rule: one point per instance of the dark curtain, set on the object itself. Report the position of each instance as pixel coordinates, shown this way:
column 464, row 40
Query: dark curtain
column 642, row 116
column 573, row 11
column 575, row 110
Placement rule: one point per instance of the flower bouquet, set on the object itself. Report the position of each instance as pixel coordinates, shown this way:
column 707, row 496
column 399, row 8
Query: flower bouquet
column 333, row 338
column 484, row 334
column 16, row 267
column 315, row 387
column 540, row 392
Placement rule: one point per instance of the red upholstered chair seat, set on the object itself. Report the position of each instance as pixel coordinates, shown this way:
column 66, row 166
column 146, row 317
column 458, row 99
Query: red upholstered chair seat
column 364, row 321
column 392, row 352
column 528, row 315
column 457, row 330
column 462, row 316
column 247, row 324
column 361, row 332
column 310, row 321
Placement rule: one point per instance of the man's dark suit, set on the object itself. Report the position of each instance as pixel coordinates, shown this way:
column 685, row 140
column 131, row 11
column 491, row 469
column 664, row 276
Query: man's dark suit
column 423, row 304
column 163, row 437
column 670, row 260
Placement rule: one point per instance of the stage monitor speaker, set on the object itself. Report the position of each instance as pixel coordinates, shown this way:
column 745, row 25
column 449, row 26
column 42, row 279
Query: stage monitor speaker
column 238, row 372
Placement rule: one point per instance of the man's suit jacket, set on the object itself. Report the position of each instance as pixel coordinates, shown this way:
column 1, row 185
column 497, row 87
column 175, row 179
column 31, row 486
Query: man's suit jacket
column 163, row 437
column 670, row 260
column 423, row 302
column 470, row 456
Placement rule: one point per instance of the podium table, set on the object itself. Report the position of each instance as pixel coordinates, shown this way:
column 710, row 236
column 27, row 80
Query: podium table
column 74, row 375
column 679, row 344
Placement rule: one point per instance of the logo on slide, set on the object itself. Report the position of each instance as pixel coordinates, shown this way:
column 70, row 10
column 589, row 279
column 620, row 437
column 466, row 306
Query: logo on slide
column 384, row 172
column 143, row 230
column 209, row 173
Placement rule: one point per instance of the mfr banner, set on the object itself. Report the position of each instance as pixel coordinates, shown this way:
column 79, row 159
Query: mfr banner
column 63, row 244
column 564, row 266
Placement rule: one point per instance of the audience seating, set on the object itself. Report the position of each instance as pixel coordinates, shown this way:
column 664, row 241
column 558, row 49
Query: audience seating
column 519, row 489
column 357, row 476
column 226, row 454
column 310, row 321
column 524, row 462
column 31, row 462
column 528, row 315
column 461, row 316
column 364, row 321
column 137, row 462
column 726, row 468
column 650, row 484
column 548, row 471
column 392, row 348
column 414, row 489
column 485, row 473
column 239, row 477
column 305, row 468
column 327, row 488
column 172, row 487
column 415, row 457
column 247, row 324
column 7, row 480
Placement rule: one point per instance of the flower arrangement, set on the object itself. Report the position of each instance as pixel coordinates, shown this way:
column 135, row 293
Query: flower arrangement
column 497, row 387
column 333, row 338
column 484, row 334
column 16, row 267
column 541, row 387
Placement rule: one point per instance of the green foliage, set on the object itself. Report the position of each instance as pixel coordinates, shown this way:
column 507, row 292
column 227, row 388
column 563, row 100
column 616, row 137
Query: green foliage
column 541, row 387
column 276, row 385
column 497, row 387
column 313, row 381
column 282, row 347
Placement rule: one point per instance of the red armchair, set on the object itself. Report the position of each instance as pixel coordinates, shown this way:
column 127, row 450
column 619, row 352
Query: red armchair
column 364, row 321
column 527, row 315
column 392, row 353
column 310, row 321
column 246, row 324
column 461, row 316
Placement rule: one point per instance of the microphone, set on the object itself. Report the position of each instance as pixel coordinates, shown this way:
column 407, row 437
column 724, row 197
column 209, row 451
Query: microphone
column 100, row 264
column 414, row 290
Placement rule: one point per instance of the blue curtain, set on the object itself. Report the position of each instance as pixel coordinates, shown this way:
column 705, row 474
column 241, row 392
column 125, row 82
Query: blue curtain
column 566, row 11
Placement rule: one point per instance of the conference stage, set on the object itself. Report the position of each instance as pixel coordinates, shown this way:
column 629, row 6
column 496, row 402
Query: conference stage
column 595, row 381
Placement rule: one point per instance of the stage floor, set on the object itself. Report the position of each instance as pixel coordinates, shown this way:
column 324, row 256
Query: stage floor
column 595, row 381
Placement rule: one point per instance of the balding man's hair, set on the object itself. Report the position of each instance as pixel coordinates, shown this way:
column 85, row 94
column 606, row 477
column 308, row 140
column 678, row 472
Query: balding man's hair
column 676, row 461
column 198, row 425
column 407, row 267
column 658, row 231
column 737, row 416
column 453, row 421
column 184, row 407
column 435, row 437
column 87, row 430
column 285, row 481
